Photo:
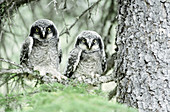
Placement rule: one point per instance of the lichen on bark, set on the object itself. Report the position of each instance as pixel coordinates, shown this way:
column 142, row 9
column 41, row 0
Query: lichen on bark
column 142, row 66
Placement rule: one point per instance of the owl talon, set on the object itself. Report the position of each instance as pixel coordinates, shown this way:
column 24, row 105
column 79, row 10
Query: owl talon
column 95, row 75
column 60, row 77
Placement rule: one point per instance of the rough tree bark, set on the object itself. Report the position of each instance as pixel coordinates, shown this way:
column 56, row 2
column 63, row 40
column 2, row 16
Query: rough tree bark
column 142, row 67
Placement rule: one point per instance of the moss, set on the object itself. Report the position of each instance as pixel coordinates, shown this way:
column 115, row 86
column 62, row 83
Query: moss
column 69, row 99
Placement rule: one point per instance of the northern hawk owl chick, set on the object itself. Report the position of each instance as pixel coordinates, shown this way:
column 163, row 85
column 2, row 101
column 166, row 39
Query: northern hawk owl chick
column 40, row 51
column 87, row 59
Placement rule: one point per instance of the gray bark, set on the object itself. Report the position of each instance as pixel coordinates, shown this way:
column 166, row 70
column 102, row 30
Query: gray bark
column 142, row 65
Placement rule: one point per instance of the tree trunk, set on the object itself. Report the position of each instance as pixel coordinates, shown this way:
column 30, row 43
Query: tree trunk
column 142, row 66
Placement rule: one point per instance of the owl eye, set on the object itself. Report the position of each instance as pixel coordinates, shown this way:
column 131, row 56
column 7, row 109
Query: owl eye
column 37, row 30
column 95, row 41
column 83, row 40
column 49, row 29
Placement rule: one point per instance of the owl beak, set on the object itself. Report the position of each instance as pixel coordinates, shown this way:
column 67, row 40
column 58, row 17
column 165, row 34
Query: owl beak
column 43, row 33
column 89, row 45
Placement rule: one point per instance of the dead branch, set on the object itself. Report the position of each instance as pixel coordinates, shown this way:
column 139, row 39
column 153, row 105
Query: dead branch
column 48, row 79
column 104, row 79
column 7, row 7
column 95, row 80
column 10, row 62
column 66, row 30
column 55, row 6
column 15, row 71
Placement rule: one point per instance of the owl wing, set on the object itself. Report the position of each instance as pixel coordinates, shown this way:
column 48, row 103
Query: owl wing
column 104, row 62
column 25, row 51
column 73, row 61
column 60, row 55
column 58, row 49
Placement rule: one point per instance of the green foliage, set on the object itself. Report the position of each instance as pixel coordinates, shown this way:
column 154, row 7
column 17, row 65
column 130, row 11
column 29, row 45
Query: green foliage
column 60, row 98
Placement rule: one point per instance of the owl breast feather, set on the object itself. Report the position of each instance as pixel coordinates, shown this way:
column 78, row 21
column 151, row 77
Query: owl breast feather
column 89, row 64
column 44, row 56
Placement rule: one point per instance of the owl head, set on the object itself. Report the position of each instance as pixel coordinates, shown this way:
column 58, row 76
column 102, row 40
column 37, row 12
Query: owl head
column 43, row 29
column 89, row 41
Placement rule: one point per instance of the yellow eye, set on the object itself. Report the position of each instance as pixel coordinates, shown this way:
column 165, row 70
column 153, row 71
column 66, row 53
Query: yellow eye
column 36, row 29
column 95, row 41
column 83, row 41
column 49, row 29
